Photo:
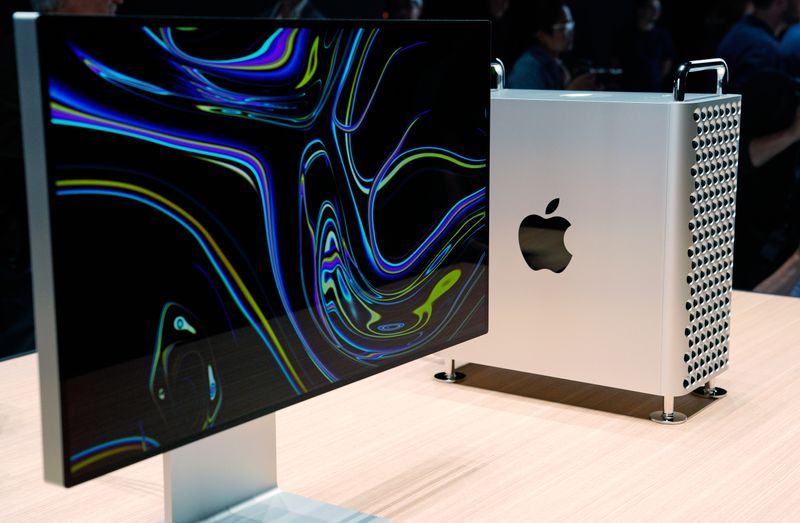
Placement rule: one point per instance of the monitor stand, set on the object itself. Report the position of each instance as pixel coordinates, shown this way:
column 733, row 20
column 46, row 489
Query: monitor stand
column 231, row 477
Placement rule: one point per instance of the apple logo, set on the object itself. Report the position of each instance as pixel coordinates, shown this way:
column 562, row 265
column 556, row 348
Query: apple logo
column 542, row 240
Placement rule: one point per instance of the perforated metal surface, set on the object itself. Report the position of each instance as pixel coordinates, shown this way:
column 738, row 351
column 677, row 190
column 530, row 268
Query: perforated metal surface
column 713, row 202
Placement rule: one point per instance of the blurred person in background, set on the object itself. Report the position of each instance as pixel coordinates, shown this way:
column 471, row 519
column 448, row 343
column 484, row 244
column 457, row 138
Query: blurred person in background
column 719, row 21
column 790, row 51
column 752, row 45
column 541, row 65
column 645, row 52
column 77, row 7
column 402, row 9
column 294, row 9
column 767, row 206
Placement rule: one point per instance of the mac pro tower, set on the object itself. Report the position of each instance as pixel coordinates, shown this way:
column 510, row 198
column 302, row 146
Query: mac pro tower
column 612, row 222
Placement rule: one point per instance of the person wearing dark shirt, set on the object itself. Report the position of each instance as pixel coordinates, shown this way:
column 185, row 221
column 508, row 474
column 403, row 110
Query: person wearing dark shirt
column 767, row 218
column 790, row 51
column 645, row 51
column 537, row 69
column 719, row 20
column 752, row 46
column 540, row 66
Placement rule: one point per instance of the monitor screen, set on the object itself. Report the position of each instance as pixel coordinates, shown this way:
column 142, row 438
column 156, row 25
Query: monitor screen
column 247, row 213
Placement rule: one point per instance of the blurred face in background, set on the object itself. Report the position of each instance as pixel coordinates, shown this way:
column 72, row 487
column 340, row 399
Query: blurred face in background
column 561, row 36
column 416, row 10
column 403, row 10
column 649, row 12
column 89, row 7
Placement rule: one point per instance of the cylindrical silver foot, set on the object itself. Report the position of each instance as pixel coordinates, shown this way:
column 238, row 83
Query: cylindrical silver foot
column 709, row 391
column 450, row 375
column 450, row 378
column 668, row 416
column 673, row 418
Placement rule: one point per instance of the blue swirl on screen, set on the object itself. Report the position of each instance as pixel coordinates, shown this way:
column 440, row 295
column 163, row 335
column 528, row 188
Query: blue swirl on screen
column 308, row 218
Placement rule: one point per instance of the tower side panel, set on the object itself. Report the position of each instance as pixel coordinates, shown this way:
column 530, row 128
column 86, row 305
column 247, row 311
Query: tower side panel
column 599, row 319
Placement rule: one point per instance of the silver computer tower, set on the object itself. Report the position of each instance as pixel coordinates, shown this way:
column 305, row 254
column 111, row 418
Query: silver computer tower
column 646, row 186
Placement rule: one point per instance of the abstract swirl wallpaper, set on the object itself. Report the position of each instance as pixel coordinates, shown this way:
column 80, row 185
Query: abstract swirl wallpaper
column 248, row 213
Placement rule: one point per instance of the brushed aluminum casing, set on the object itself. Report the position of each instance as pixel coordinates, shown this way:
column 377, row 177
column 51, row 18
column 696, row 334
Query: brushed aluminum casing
column 648, row 185
column 27, row 50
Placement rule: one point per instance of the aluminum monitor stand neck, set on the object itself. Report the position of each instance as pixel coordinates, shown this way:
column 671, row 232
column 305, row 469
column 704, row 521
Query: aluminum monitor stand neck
column 232, row 476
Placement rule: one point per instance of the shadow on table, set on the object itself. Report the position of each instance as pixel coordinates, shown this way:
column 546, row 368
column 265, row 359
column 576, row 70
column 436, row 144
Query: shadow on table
column 595, row 397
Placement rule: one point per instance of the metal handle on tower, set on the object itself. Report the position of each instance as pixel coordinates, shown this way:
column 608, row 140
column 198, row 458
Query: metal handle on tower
column 499, row 70
column 713, row 64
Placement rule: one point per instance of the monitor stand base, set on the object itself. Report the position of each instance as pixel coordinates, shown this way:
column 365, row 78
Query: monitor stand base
column 231, row 476
column 277, row 505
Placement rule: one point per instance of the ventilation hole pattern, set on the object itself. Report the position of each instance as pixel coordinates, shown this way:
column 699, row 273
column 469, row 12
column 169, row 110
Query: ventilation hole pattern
column 713, row 203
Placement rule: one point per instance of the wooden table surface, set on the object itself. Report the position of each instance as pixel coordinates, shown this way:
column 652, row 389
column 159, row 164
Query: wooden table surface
column 501, row 446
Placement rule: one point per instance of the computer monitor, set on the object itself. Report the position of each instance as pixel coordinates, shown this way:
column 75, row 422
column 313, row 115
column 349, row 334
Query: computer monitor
column 230, row 216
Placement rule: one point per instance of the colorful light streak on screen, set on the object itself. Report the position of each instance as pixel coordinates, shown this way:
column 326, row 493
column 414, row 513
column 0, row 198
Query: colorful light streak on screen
column 248, row 213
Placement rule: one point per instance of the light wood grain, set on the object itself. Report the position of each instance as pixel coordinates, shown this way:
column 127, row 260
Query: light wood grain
column 502, row 446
